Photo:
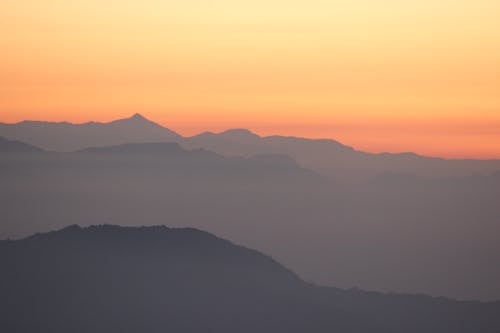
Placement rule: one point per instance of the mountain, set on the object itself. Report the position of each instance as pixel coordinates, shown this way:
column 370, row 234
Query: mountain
column 131, row 182
column 65, row 136
column 157, row 279
column 396, row 232
column 13, row 146
column 336, row 160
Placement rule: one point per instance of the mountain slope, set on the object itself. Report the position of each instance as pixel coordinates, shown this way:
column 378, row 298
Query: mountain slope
column 156, row 279
column 13, row 146
column 70, row 137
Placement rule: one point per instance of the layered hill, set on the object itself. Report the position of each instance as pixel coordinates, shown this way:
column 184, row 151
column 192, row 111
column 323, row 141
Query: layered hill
column 157, row 279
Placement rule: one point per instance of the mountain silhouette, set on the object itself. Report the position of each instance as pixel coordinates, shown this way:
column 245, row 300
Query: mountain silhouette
column 63, row 136
column 158, row 279
column 337, row 161
column 13, row 146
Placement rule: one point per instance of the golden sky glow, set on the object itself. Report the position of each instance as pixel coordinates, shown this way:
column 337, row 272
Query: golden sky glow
column 380, row 75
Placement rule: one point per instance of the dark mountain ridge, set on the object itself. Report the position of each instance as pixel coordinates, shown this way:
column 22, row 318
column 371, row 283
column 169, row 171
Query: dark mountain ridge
column 156, row 279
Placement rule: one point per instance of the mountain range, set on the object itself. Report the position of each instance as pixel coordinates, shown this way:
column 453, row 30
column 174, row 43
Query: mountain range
column 331, row 158
column 394, row 232
column 157, row 279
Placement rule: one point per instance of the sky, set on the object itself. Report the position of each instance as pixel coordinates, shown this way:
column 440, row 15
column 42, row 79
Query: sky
column 379, row 75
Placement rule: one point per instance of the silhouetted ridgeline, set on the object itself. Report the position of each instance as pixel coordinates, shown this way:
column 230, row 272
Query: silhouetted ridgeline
column 156, row 279
column 64, row 136
column 329, row 157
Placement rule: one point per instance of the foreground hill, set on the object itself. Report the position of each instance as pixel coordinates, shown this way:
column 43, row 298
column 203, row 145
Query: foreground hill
column 156, row 279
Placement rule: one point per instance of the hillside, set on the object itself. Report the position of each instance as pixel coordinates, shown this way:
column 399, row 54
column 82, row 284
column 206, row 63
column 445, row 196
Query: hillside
column 154, row 279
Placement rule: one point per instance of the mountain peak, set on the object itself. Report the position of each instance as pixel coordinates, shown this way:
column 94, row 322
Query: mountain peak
column 144, row 128
column 241, row 133
column 138, row 116
column 135, row 119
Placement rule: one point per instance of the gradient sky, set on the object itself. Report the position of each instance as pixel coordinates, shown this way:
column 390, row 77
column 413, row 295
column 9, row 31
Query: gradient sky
column 380, row 75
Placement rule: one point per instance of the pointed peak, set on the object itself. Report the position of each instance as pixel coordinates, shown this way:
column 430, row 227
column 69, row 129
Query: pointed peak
column 138, row 116
column 138, row 122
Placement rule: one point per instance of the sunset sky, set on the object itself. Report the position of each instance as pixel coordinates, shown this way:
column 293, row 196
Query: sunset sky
column 379, row 75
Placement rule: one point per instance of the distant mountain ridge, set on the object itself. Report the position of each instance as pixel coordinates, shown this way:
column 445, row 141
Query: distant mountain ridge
column 64, row 136
column 326, row 156
column 335, row 160
column 111, row 279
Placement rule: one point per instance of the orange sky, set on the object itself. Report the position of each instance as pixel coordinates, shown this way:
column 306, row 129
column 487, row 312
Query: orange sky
column 380, row 75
